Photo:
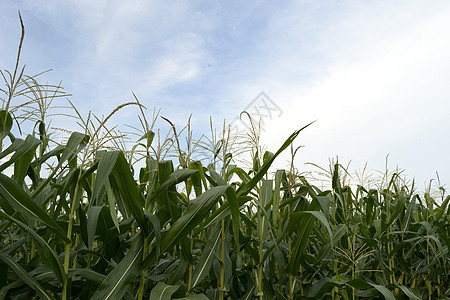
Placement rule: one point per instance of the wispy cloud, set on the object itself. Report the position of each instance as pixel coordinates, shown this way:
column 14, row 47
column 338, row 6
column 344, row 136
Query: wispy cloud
column 373, row 95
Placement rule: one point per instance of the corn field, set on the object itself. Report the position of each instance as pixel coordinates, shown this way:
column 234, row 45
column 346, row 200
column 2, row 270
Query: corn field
column 92, row 219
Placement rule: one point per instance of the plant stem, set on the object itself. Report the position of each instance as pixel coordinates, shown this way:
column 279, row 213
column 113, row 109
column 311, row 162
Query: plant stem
column 143, row 272
column 222, row 262
column 69, row 236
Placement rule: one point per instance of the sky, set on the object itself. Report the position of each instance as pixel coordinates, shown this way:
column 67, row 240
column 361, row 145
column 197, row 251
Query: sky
column 372, row 74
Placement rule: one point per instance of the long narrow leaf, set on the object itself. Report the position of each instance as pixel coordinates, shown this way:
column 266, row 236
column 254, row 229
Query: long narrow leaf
column 23, row 203
column 163, row 291
column 174, row 178
column 105, row 167
column 193, row 216
column 25, row 276
column 206, row 259
column 127, row 187
column 46, row 252
column 247, row 187
column 116, row 283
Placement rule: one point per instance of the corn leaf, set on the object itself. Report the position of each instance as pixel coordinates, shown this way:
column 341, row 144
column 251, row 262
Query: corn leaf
column 163, row 291
column 247, row 187
column 25, row 276
column 206, row 260
column 127, row 187
column 47, row 254
column 116, row 283
column 17, row 198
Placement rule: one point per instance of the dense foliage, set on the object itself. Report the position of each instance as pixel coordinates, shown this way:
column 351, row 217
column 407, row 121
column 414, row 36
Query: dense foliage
column 83, row 220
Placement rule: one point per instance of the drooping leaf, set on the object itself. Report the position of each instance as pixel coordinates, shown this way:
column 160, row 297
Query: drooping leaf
column 195, row 214
column 163, row 291
column 127, row 187
column 23, row 203
column 27, row 146
column 77, row 141
column 46, row 253
column 247, row 187
column 194, row 297
column 92, row 219
column 362, row 284
column 89, row 274
column 323, row 286
column 174, row 178
column 25, row 276
column 116, row 283
column 301, row 240
column 205, row 261
column 277, row 197
column 409, row 293
column 105, row 167
column 6, row 122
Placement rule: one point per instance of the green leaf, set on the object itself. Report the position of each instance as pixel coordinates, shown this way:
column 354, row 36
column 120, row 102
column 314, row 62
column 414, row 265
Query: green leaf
column 77, row 141
column 6, row 122
column 320, row 216
column 196, row 179
column 174, row 178
column 205, row 261
column 179, row 272
column 324, row 285
column 116, row 283
column 240, row 173
column 89, row 274
column 127, row 187
column 156, row 230
column 409, row 293
column 24, row 148
column 92, row 220
column 305, row 226
column 325, row 250
column 324, row 201
column 163, row 291
column 46, row 253
column 247, row 187
column 105, row 167
column 194, row 297
column 22, row 165
column 151, row 176
column 408, row 215
column 25, row 276
column 168, row 200
column 217, row 179
column 224, row 211
column 361, row 284
column 235, row 214
column 263, row 203
column 22, row 202
column 384, row 291
column 193, row 216
column 277, row 197
column 16, row 144
column 112, row 205
column 400, row 207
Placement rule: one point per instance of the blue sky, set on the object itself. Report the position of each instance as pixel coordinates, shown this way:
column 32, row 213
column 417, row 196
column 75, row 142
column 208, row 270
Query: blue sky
column 374, row 74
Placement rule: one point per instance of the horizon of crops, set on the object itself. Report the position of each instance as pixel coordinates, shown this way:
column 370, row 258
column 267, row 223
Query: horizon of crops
column 92, row 218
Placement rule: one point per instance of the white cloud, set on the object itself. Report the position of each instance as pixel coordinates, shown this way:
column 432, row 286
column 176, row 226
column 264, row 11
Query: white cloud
column 374, row 90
